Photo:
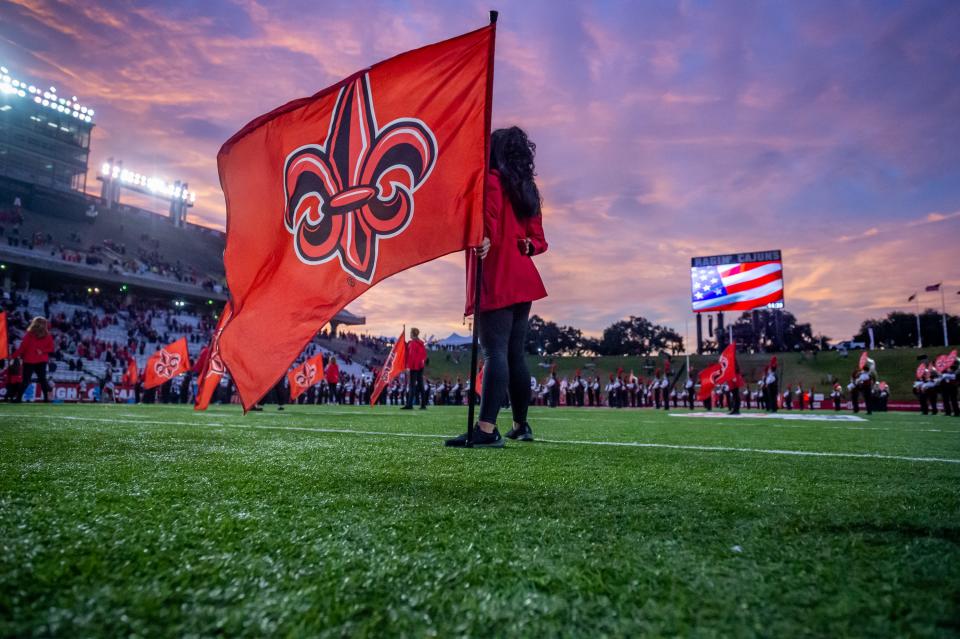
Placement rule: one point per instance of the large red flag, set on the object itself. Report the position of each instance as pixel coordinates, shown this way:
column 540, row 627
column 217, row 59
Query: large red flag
column 4, row 342
column 304, row 376
column 167, row 363
column 212, row 370
column 728, row 364
column 395, row 364
column 708, row 380
column 330, row 194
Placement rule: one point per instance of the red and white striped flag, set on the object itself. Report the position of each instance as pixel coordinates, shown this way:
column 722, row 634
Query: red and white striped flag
column 736, row 287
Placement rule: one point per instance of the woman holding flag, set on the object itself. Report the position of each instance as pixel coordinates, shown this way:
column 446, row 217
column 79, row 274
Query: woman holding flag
column 513, row 234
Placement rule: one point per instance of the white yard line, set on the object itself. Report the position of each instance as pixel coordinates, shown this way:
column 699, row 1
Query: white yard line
column 693, row 447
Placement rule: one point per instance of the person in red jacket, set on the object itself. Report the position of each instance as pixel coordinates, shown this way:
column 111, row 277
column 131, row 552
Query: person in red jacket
column 333, row 379
column 513, row 234
column 416, row 362
column 35, row 349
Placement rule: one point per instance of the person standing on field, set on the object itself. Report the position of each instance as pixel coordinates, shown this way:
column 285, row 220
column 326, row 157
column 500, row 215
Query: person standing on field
column 35, row 350
column 332, row 375
column 513, row 234
column 416, row 362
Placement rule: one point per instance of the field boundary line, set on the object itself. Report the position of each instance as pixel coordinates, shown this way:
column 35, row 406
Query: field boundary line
column 562, row 442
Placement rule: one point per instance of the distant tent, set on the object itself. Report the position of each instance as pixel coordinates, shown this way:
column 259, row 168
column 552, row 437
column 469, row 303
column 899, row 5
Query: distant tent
column 455, row 340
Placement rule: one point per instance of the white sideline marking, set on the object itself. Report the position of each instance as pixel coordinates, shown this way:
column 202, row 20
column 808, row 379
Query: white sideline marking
column 784, row 416
column 350, row 431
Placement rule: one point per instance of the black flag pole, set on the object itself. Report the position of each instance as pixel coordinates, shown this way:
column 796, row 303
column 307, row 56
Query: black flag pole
column 474, row 346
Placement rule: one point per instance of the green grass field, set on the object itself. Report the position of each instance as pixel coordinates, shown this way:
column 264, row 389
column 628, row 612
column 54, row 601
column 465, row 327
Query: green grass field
column 146, row 521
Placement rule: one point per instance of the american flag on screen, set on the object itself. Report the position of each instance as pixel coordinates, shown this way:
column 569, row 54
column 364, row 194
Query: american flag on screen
column 736, row 287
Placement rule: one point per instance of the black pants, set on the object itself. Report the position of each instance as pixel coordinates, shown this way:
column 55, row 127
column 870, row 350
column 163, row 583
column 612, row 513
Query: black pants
column 503, row 335
column 734, row 402
column 415, row 390
column 949, row 392
column 41, row 372
column 773, row 391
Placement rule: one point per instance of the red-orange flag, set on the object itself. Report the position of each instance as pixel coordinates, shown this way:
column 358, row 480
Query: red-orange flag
column 4, row 342
column 708, row 380
column 212, row 370
column 304, row 376
column 167, row 363
column 479, row 381
column 728, row 365
column 395, row 364
column 330, row 194
column 131, row 375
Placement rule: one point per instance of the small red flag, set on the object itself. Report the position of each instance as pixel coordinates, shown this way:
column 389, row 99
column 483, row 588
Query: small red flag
column 708, row 380
column 944, row 362
column 479, row 381
column 4, row 342
column 131, row 375
column 864, row 358
column 328, row 195
column 304, row 376
column 395, row 364
column 921, row 369
column 167, row 363
column 213, row 369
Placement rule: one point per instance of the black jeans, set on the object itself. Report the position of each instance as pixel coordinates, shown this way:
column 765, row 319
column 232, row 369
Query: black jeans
column 40, row 370
column 503, row 335
column 415, row 390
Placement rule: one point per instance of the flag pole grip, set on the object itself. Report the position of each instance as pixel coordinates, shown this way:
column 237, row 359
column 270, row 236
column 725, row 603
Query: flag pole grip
column 474, row 347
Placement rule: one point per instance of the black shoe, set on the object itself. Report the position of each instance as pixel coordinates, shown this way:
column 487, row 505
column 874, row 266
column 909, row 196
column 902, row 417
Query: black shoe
column 480, row 440
column 523, row 433
column 406, row 408
column 258, row 409
column 279, row 407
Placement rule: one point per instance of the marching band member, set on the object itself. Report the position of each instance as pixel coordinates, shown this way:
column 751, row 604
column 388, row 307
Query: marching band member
column 930, row 388
column 656, row 388
column 690, row 387
column 918, row 391
column 579, row 389
column 865, row 380
column 837, row 396
column 771, row 387
column 948, row 386
column 553, row 388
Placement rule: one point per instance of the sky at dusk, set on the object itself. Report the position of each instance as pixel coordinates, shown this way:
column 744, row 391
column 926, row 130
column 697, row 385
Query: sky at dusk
column 664, row 130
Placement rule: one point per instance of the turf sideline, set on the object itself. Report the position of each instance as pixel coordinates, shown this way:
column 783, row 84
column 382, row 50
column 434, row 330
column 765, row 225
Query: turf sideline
column 562, row 442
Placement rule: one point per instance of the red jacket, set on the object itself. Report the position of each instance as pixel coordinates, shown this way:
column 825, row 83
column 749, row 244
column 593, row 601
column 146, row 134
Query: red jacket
column 333, row 373
column 416, row 355
column 35, row 350
column 509, row 276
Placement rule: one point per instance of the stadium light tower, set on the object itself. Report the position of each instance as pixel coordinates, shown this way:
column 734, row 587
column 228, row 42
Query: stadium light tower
column 115, row 177
column 44, row 136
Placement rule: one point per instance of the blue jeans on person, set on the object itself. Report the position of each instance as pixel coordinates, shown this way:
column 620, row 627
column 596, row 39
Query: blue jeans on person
column 503, row 337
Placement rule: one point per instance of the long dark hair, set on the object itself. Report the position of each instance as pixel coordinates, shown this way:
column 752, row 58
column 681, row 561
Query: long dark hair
column 511, row 153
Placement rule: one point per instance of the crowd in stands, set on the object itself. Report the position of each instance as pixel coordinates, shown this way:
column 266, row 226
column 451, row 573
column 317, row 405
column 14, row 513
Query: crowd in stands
column 146, row 261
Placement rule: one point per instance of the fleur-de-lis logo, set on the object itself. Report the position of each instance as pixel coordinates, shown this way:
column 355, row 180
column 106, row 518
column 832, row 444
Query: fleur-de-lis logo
column 342, row 198
column 167, row 364
column 306, row 375
column 216, row 365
